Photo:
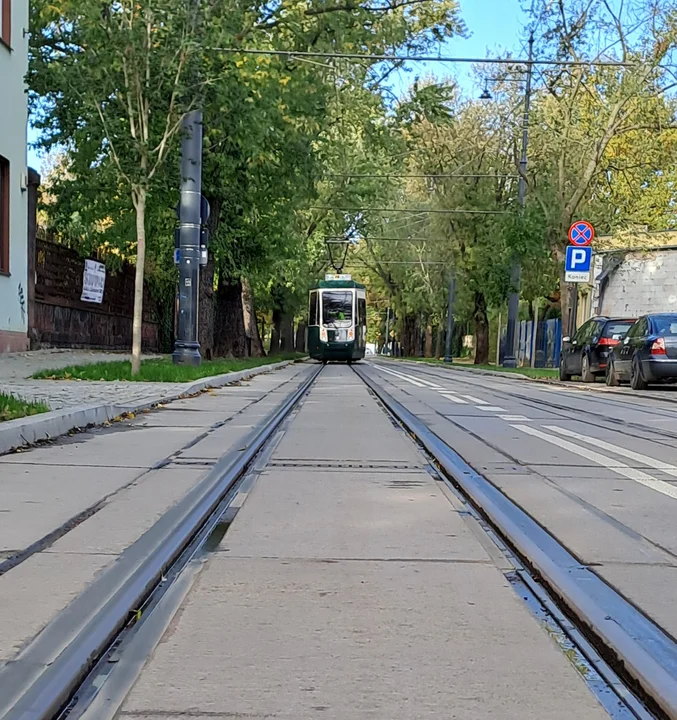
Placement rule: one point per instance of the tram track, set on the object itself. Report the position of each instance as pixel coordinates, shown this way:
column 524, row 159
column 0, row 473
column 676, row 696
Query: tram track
column 43, row 682
column 618, row 425
column 633, row 655
column 61, row 674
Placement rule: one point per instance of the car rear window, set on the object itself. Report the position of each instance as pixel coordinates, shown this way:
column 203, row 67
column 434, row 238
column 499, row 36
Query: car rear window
column 617, row 327
column 664, row 324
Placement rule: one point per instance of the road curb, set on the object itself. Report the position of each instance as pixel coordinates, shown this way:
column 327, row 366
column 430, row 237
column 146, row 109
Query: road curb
column 15, row 434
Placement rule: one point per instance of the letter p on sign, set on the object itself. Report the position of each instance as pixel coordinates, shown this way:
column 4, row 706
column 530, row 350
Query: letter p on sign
column 578, row 259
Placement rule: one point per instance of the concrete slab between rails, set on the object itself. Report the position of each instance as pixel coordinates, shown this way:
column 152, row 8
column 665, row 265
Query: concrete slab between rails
column 27, row 431
column 354, row 593
column 346, row 640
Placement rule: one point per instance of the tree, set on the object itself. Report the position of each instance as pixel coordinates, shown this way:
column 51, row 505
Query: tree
column 585, row 116
column 111, row 82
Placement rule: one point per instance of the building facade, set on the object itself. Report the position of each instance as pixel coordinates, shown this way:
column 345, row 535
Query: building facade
column 13, row 176
column 632, row 281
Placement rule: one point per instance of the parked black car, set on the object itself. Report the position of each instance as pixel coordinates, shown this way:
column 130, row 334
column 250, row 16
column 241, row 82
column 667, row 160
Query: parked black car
column 586, row 354
column 648, row 353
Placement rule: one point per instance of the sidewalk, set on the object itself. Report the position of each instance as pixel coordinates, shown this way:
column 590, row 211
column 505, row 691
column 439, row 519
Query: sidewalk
column 16, row 370
column 353, row 586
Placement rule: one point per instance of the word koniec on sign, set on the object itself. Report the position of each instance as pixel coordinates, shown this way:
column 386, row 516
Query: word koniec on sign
column 93, row 282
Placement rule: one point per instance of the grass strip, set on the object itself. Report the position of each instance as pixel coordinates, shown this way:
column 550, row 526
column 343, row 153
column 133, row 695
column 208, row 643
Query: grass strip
column 158, row 369
column 12, row 407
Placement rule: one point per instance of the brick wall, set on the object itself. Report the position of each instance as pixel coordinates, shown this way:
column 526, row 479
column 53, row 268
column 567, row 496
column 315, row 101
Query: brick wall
column 61, row 319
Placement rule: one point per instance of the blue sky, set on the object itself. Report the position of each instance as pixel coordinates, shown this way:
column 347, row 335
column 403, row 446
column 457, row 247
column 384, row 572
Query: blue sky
column 493, row 25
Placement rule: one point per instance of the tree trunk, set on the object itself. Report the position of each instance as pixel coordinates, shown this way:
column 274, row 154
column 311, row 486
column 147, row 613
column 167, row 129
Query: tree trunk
column 139, row 200
column 410, row 336
column 206, row 297
column 229, row 335
column 275, row 332
column 205, row 327
column 481, row 330
column 287, row 333
column 439, row 337
column 428, row 352
column 301, row 338
column 250, row 327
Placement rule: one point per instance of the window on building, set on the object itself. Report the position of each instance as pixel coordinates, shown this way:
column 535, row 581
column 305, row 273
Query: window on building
column 4, row 215
column 6, row 21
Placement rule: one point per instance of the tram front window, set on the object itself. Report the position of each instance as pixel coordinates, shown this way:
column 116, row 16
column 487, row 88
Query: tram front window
column 337, row 309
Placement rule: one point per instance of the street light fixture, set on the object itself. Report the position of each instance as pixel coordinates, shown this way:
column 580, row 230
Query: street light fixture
column 486, row 95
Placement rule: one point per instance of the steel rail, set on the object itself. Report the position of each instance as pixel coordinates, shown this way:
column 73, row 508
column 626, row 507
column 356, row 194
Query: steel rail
column 647, row 655
column 616, row 424
column 41, row 680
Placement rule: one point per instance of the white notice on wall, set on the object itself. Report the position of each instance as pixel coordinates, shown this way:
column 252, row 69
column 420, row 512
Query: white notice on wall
column 93, row 282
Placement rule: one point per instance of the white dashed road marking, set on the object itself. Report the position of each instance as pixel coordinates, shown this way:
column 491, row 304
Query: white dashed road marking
column 412, row 381
column 457, row 400
column 515, row 418
column 651, row 462
column 615, row 465
column 477, row 401
column 493, row 408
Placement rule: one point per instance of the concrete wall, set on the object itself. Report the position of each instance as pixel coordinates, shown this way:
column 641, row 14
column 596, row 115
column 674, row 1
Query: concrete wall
column 13, row 120
column 644, row 282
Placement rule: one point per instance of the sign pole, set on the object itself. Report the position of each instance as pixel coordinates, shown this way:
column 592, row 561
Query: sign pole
column 450, row 319
column 577, row 265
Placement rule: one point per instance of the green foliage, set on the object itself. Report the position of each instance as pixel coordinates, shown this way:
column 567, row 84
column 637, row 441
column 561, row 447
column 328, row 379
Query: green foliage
column 12, row 407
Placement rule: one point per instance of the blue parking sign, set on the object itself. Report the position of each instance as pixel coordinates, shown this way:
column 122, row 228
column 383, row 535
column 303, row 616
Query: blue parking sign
column 578, row 259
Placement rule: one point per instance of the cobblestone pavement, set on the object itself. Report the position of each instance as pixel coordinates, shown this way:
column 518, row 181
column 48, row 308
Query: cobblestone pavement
column 73, row 393
column 16, row 369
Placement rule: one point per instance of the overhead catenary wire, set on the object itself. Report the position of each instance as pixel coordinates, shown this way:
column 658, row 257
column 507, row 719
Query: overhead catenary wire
column 425, row 58
column 399, row 262
column 367, row 238
column 437, row 211
column 432, row 176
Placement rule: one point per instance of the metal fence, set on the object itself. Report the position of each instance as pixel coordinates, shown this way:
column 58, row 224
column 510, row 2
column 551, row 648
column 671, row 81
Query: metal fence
column 548, row 343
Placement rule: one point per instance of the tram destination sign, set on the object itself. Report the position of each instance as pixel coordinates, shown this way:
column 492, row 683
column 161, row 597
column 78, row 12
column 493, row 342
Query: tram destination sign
column 338, row 276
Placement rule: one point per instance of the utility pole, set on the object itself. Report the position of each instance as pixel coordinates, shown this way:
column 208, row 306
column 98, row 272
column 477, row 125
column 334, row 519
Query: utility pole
column 186, row 346
column 388, row 327
column 510, row 360
column 189, row 235
column 450, row 318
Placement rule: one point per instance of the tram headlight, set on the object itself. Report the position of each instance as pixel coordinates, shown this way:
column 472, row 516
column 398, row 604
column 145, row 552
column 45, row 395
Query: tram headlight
column 323, row 334
column 351, row 334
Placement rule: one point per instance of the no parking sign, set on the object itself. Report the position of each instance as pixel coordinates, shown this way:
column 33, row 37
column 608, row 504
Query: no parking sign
column 581, row 233
column 579, row 253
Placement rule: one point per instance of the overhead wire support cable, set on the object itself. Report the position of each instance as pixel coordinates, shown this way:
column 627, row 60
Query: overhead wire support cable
column 398, row 262
column 414, row 210
column 426, row 58
column 340, row 238
column 431, row 176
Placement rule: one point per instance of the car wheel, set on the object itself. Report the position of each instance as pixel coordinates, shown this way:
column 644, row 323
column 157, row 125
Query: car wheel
column 611, row 377
column 563, row 376
column 637, row 382
column 586, row 375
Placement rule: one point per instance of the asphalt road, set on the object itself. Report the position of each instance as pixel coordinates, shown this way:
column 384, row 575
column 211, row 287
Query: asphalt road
column 597, row 469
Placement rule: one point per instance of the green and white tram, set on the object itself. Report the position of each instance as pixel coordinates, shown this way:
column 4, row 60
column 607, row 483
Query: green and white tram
column 337, row 319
